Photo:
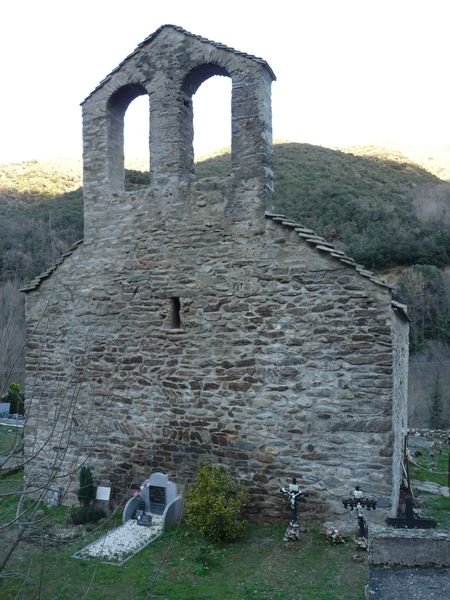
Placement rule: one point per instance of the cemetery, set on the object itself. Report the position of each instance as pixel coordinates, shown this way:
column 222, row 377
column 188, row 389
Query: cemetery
column 187, row 565
column 151, row 511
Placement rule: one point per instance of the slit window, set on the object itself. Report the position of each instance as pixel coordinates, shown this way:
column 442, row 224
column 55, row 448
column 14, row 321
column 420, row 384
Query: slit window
column 174, row 313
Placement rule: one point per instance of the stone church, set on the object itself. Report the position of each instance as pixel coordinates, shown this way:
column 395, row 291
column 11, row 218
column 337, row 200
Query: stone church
column 192, row 322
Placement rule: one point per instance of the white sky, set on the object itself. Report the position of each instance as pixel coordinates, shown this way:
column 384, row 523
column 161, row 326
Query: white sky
column 349, row 71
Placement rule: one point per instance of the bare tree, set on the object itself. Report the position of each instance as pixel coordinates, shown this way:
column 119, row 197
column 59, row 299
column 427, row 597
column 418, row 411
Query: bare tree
column 11, row 335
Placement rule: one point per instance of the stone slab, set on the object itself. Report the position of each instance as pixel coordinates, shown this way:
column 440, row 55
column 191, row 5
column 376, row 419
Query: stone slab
column 410, row 547
column 430, row 487
column 411, row 583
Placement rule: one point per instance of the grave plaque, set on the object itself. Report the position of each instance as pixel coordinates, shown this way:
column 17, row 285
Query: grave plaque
column 144, row 520
column 157, row 494
column 103, row 493
column 103, row 497
column 52, row 496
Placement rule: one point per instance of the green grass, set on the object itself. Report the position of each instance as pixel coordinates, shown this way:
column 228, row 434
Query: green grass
column 11, row 439
column 435, row 463
column 180, row 565
column 10, row 487
column 433, row 467
column 438, row 508
column 261, row 566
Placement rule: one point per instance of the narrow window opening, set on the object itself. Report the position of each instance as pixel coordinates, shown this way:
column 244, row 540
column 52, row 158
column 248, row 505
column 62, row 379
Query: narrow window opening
column 174, row 314
column 136, row 144
column 119, row 117
column 212, row 127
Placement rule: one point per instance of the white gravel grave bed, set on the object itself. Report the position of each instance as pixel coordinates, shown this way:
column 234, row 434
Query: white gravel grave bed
column 120, row 544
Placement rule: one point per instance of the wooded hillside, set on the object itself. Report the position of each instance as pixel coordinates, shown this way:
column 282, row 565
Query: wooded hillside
column 388, row 213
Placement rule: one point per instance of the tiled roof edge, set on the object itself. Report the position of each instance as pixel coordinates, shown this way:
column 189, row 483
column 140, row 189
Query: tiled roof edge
column 36, row 282
column 402, row 309
column 323, row 246
column 153, row 35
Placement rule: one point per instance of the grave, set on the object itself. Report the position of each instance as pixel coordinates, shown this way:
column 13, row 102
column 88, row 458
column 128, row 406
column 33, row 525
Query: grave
column 409, row 520
column 159, row 497
column 154, row 508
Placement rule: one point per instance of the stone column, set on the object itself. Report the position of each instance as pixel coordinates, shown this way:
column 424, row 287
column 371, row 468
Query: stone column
column 252, row 129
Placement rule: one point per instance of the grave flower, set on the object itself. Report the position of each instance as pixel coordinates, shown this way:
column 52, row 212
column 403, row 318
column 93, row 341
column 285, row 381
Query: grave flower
column 362, row 543
column 335, row 535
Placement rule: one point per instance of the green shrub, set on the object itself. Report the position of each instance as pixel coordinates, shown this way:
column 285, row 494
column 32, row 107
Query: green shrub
column 15, row 397
column 86, row 514
column 86, row 493
column 214, row 504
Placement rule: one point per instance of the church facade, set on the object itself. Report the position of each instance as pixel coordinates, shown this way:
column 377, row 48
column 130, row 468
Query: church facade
column 193, row 322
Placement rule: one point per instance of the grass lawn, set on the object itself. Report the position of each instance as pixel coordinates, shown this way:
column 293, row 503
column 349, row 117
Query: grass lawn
column 435, row 463
column 432, row 466
column 179, row 565
column 183, row 566
column 436, row 507
column 10, row 441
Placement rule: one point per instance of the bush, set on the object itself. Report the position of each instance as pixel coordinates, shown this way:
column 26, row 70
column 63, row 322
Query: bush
column 214, row 504
column 86, row 514
column 16, row 398
column 86, row 493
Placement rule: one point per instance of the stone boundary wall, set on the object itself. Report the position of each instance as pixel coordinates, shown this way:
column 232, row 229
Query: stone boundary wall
column 409, row 547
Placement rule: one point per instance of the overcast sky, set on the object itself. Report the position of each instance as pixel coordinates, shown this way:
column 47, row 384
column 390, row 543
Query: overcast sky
column 348, row 71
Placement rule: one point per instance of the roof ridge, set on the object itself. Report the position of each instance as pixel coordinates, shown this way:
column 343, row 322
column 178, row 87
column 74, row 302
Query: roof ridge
column 309, row 236
column 153, row 35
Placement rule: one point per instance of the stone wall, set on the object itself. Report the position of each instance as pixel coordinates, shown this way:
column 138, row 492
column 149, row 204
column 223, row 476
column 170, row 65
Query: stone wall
column 282, row 365
column 192, row 325
column 400, row 340
column 170, row 66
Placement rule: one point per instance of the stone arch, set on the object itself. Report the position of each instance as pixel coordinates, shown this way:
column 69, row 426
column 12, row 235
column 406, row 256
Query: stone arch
column 116, row 108
column 169, row 66
column 191, row 82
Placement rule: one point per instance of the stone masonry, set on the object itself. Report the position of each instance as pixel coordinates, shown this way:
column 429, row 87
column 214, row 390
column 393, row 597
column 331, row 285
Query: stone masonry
column 193, row 323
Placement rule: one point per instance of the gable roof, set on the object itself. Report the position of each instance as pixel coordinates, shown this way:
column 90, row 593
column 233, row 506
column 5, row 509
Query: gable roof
column 36, row 282
column 152, row 36
column 307, row 235
column 318, row 242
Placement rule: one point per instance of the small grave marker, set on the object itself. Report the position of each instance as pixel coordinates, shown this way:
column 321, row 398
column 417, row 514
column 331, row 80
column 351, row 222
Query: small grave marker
column 103, row 497
column 158, row 496
column 358, row 502
column 295, row 494
column 52, row 496
column 144, row 520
